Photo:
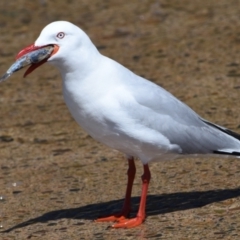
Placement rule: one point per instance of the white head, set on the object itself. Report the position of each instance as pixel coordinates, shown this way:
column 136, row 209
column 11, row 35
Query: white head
column 72, row 47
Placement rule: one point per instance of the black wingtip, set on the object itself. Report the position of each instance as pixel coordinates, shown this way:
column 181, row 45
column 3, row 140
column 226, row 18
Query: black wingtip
column 222, row 129
column 227, row 153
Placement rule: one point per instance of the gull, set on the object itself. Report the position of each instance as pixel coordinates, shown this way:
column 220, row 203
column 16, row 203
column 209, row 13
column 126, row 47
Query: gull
column 127, row 112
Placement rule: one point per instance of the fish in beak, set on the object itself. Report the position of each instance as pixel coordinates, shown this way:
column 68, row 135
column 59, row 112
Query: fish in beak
column 41, row 57
column 33, row 56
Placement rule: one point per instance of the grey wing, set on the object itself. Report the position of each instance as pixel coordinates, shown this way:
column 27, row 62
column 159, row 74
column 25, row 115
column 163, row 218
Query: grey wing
column 179, row 123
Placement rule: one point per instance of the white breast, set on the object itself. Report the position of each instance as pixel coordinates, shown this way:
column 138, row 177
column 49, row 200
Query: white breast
column 103, row 111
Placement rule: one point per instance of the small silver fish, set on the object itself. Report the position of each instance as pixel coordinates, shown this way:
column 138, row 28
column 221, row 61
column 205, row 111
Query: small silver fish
column 28, row 59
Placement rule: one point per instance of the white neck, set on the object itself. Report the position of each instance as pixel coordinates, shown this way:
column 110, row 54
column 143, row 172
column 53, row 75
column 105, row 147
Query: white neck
column 81, row 61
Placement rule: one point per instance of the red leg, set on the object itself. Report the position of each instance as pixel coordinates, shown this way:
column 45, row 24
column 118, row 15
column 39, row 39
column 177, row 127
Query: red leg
column 129, row 223
column 131, row 175
column 127, row 202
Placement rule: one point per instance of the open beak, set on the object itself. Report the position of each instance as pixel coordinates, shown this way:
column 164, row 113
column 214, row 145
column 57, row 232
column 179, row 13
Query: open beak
column 31, row 48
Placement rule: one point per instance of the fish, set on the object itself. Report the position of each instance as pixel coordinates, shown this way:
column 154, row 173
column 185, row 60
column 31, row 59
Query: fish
column 33, row 57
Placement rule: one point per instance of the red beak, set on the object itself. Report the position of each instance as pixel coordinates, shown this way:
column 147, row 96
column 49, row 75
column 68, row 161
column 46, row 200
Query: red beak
column 31, row 48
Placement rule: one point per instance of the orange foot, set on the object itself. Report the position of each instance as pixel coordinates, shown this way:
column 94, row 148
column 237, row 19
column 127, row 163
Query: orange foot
column 128, row 223
column 113, row 218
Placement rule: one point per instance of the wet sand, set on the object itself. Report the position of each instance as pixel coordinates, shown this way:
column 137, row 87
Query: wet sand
column 55, row 180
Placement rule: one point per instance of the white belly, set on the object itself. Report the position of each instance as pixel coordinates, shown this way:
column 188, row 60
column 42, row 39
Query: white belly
column 142, row 143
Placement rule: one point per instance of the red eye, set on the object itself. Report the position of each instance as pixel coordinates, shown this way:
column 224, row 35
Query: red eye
column 60, row 35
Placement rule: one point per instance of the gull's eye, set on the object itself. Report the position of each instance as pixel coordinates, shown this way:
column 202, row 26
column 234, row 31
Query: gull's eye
column 60, row 35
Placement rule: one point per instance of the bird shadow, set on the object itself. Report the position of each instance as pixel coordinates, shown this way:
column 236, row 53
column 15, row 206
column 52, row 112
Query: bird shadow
column 157, row 204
